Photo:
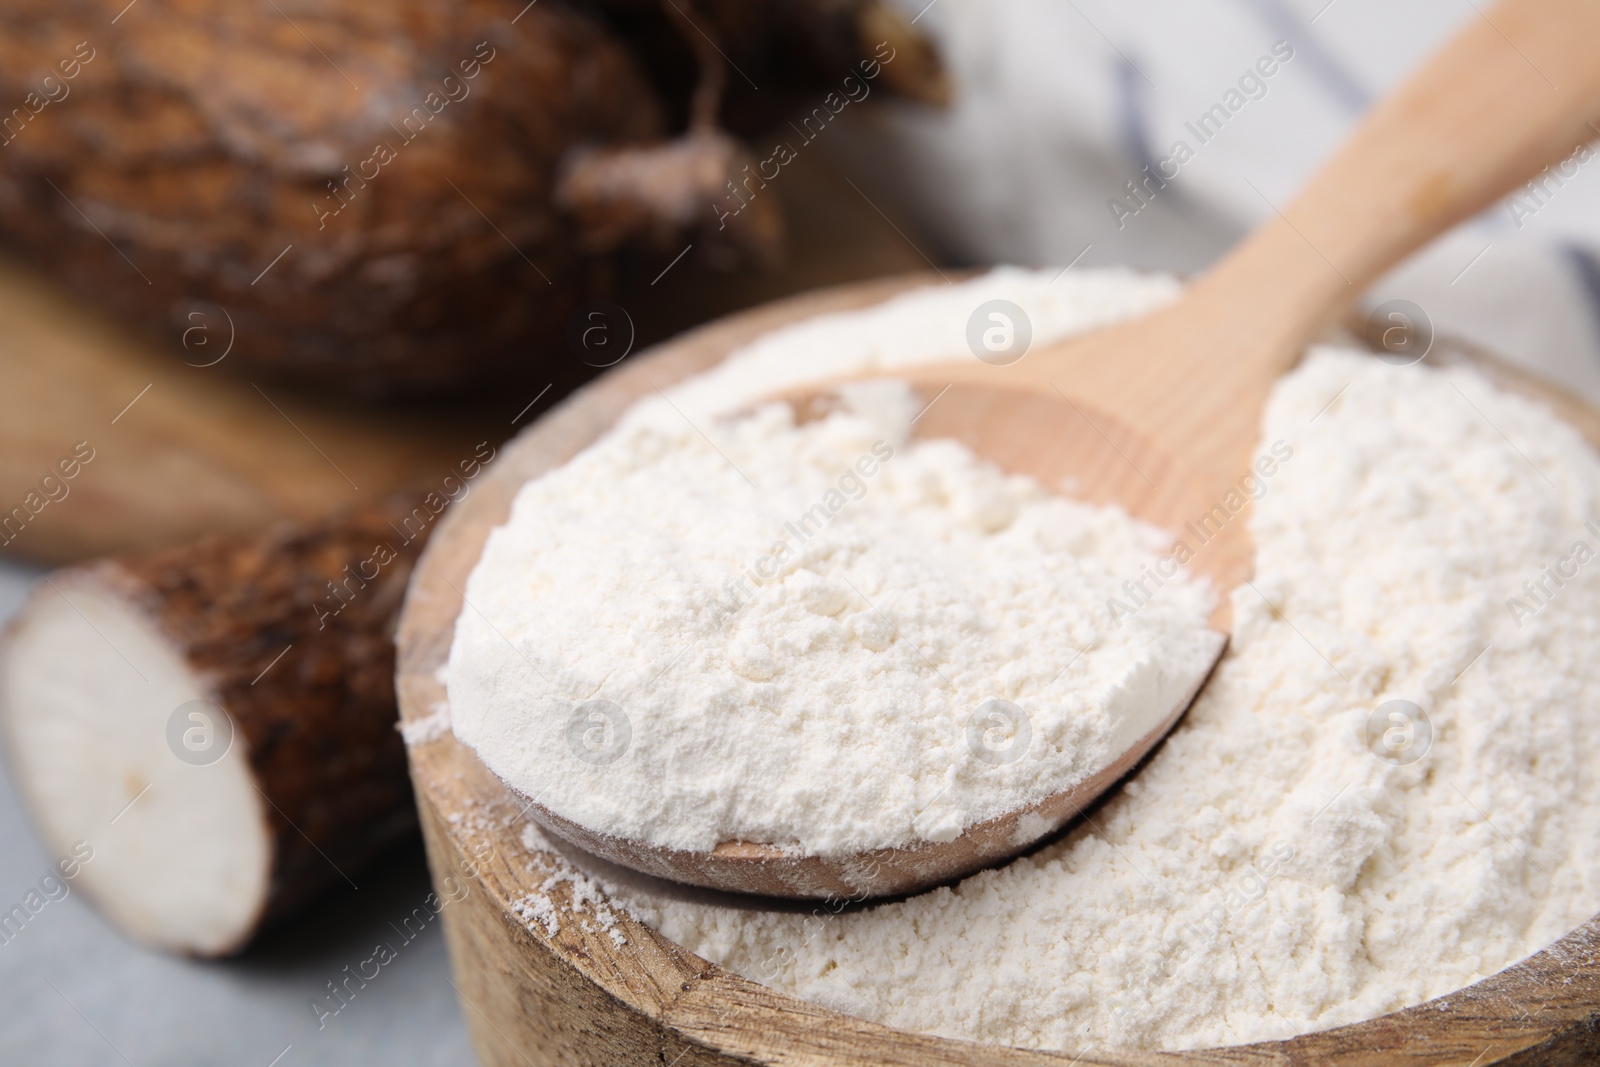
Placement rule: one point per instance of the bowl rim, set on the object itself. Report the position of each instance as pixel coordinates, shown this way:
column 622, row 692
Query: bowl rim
column 646, row 994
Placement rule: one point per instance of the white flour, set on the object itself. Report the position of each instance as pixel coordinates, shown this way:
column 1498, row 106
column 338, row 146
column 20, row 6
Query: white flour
column 1267, row 873
column 823, row 636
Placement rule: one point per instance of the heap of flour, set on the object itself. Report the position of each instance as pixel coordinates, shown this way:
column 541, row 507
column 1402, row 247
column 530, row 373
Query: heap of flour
column 822, row 636
column 1295, row 856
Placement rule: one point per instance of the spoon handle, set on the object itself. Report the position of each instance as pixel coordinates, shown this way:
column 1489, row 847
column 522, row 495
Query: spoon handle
column 1518, row 88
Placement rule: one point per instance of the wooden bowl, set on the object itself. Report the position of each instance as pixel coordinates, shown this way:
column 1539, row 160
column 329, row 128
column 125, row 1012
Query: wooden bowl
column 580, row 997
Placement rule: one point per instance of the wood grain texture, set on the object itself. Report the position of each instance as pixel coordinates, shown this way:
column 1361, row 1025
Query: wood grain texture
column 574, row 997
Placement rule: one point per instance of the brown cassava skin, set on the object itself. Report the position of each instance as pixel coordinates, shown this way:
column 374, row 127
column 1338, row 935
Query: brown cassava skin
column 319, row 727
column 197, row 140
column 163, row 156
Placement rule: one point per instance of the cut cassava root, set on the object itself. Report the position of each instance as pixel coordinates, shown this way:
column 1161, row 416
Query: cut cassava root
column 217, row 721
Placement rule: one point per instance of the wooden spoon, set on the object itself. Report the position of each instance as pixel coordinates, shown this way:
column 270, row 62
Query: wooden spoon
column 1161, row 415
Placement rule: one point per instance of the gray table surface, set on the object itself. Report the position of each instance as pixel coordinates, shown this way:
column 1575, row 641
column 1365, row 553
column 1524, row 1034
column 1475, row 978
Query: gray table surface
column 78, row 994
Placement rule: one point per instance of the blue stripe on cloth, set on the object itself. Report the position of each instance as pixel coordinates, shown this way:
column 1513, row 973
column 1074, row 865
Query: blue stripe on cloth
column 1586, row 266
column 1333, row 75
column 1133, row 113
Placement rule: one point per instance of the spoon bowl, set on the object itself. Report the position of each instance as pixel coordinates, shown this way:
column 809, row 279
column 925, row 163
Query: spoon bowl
column 1102, row 461
column 767, row 870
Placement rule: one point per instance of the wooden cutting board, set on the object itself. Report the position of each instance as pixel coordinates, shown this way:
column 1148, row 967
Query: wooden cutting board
column 180, row 449
column 575, row 996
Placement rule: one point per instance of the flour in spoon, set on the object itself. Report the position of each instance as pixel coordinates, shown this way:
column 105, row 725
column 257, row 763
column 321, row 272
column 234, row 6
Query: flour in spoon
column 825, row 636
